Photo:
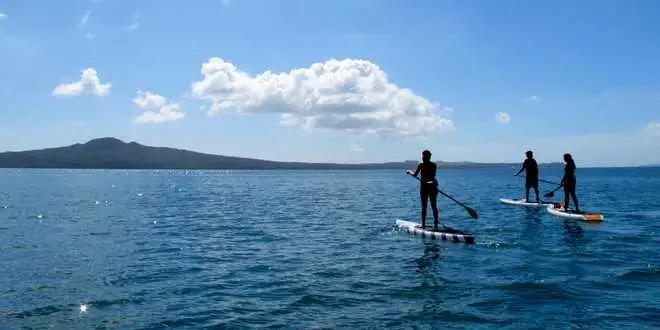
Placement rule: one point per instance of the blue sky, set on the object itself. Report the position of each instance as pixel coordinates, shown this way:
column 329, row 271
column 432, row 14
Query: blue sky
column 352, row 81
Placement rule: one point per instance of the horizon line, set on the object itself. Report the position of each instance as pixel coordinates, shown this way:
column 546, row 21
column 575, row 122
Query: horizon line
column 325, row 163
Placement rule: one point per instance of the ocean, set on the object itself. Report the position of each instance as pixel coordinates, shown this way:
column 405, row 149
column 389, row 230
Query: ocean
column 142, row 249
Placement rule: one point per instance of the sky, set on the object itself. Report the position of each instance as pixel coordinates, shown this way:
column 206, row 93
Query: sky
column 337, row 81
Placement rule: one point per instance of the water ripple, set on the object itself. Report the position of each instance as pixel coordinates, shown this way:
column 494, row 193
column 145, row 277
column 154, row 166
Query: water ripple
column 317, row 250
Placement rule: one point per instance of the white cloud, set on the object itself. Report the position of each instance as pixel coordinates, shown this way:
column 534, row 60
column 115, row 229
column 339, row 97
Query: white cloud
column 157, row 108
column 287, row 119
column 347, row 95
column 84, row 19
column 89, row 83
column 653, row 128
column 532, row 98
column 502, row 117
column 3, row 16
column 134, row 24
column 355, row 148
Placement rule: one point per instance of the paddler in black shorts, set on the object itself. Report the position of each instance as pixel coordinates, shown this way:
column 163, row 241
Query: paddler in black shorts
column 428, row 189
column 531, row 169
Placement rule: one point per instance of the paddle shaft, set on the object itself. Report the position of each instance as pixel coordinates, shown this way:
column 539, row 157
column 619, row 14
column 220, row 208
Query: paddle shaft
column 541, row 180
column 552, row 193
column 440, row 191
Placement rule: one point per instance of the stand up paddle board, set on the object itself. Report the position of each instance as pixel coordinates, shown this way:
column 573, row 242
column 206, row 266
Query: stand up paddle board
column 557, row 209
column 443, row 233
column 522, row 202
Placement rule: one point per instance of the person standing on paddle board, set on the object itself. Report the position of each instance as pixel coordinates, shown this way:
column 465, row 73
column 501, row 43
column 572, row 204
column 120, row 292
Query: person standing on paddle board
column 531, row 168
column 428, row 189
column 569, row 182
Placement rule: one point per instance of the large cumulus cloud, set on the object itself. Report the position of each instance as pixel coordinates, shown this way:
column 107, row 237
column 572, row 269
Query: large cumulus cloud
column 349, row 95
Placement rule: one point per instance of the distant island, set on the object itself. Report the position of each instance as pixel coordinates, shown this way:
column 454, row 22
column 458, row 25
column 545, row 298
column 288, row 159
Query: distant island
column 112, row 153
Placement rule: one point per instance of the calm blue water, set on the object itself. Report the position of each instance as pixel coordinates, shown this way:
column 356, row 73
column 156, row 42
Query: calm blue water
column 317, row 250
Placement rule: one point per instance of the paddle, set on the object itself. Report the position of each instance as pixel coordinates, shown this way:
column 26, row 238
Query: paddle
column 552, row 193
column 469, row 210
column 540, row 180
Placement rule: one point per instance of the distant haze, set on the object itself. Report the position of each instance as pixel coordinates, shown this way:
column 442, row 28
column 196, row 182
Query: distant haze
column 112, row 153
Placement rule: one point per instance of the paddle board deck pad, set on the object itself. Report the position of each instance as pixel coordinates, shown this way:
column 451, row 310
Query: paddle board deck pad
column 557, row 209
column 522, row 202
column 443, row 233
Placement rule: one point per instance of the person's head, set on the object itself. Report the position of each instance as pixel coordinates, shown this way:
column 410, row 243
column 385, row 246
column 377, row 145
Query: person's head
column 529, row 154
column 426, row 155
column 567, row 157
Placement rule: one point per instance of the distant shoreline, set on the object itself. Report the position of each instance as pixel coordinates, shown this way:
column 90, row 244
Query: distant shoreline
column 305, row 168
column 440, row 168
column 114, row 154
column 300, row 167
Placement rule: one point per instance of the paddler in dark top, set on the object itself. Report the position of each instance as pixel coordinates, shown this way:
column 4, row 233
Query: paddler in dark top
column 531, row 169
column 428, row 188
column 569, row 182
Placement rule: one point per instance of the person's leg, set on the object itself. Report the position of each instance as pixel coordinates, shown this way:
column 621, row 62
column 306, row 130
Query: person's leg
column 575, row 200
column 424, row 196
column 567, row 192
column 536, row 191
column 527, row 186
column 433, row 196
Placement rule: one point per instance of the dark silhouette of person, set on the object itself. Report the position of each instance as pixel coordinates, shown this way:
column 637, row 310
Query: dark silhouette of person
column 428, row 189
column 569, row 182
column 531, row 168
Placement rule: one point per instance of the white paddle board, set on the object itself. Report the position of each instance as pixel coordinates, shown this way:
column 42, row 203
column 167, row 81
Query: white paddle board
column 443, row 233
column 559, row 211
column 522, row 202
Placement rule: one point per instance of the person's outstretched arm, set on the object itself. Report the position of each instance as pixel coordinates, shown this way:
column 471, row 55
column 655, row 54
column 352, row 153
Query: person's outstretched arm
column 419, row 168
column 524, row 166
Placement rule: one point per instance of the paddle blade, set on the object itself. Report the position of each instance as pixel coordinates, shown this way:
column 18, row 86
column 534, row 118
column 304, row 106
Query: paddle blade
column 472, row 212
